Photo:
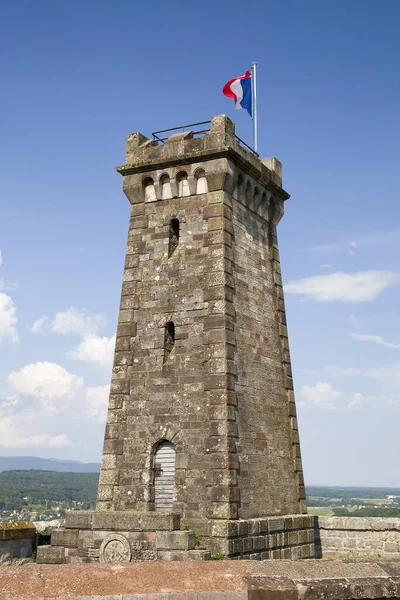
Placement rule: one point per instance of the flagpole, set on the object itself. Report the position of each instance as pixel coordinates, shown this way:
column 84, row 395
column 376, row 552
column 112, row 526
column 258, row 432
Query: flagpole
column 254, row 85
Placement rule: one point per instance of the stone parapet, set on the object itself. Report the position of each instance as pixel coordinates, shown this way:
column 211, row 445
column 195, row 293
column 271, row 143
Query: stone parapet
column 143, row 154
column 16, row 540
column 290, row 537
column 212, row 580
column 358, row 536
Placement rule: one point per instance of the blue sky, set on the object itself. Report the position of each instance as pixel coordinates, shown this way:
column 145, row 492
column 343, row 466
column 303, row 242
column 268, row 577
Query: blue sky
column 76, row 77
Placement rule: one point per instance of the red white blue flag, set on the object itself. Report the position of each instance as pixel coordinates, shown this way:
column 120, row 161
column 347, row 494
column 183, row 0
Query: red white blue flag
column 240, row 90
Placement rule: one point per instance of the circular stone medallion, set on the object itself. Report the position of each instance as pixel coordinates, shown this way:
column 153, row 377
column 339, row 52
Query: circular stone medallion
column 115, row 548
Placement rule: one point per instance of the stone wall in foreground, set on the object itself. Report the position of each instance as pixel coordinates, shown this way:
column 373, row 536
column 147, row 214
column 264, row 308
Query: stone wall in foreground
column 127, row 536
column 16, row 540
column 357, row 536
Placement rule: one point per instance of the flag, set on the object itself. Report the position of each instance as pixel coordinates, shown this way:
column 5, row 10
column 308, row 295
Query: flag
column 240, row 90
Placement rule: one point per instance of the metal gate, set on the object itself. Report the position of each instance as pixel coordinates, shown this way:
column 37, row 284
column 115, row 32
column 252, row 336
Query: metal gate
column 164, row 479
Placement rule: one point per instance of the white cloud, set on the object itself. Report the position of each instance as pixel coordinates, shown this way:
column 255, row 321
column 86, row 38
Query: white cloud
column 97, row 398
column 356, row 401
column 322, row 394
column 12, row 434
column 326, row 266
column 8, row 319
column 40, row 325
column 346, row 287
column 49, row 382
column 387, row 373
column 71, row 321
column 95, row 350
column 10, row 402
column 376, row 339
column 377, row 238
column 382, row 383
column 1, row 257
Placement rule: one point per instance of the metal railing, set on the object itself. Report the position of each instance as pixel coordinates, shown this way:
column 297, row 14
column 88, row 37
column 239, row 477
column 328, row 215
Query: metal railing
column 182, row 128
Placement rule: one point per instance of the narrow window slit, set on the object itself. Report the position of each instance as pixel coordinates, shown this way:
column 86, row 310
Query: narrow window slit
column 169, row 339
column 173, row 236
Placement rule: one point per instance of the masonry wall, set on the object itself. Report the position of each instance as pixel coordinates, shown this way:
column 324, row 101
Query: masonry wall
column 265, row 437
column 166, row 398
column 357, row 536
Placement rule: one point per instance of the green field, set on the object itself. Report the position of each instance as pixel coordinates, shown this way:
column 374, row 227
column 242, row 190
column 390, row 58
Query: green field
column 320, row 511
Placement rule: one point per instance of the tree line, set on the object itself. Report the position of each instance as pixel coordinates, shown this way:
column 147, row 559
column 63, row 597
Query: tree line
column 25, row 488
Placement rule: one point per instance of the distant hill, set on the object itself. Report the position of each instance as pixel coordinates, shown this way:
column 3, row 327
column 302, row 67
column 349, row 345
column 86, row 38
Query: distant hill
column 18, row 488
column 26, row 463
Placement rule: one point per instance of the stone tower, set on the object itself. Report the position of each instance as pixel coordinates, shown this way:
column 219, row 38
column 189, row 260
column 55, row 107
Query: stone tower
column 201, row 419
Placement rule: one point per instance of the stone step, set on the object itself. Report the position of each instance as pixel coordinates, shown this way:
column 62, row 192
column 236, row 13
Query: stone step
column 175, row 540
column 50, row 555
column 65, row 537
column 183, row 555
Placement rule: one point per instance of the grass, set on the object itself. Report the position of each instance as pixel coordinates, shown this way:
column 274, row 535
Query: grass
column 320, row 511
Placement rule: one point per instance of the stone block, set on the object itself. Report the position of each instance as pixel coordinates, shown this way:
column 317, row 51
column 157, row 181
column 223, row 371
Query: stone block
column 292, row 538
column 253, row 526
column 52, row 555
column 302, row 536
column 17, row 531
column 259, row 542
column 175, row 540
column 65, row 537
column 264, row 525
column 276, row 524
column 135, row 521
column 225, row 528
column 79, row 519
column 247, row 544
column 243, row 528
column 391, row 547
column 237, row 547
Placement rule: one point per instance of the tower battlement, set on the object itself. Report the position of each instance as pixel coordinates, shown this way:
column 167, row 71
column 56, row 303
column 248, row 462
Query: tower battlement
column 224, row 154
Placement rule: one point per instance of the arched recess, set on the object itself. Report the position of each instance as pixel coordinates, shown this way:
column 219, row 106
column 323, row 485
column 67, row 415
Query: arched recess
column 183, row 184
column 201, row 182
column 256, row 200
column 165, row 185
column 164, row 458
column 248, row 194
column 149, row 190
column 238, row 191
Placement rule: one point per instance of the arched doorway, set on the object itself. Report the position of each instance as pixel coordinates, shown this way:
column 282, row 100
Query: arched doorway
column 164, row 475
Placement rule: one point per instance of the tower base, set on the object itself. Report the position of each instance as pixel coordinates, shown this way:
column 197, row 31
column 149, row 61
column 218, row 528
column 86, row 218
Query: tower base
column 127, row 536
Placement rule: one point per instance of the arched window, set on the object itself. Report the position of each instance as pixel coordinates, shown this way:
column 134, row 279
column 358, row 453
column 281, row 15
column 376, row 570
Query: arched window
column 165, row 185
column 149, row 190
column 201, row 182
column 256, row 199
column 169, row 339
column 164, row 456
column 183, row 184
column 248, row 196
column 238, row 193
column 173, row 236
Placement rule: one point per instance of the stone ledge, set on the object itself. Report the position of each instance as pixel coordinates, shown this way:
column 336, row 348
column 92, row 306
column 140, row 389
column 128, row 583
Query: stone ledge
column 123, row 521
column 208, row 580
column 17, row 531
column 359, row 523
